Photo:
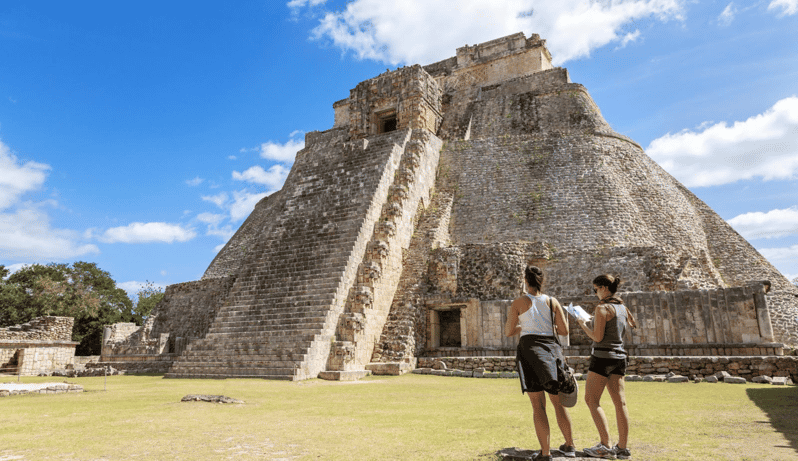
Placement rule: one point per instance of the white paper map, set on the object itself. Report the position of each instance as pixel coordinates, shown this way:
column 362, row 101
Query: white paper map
column 578, row 312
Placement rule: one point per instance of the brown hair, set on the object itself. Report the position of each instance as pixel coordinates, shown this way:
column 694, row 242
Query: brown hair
column 607, row 280
column 534, row 277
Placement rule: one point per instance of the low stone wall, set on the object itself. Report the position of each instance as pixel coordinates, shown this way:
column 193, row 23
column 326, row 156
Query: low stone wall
column 37, row 357
column 692, row 367
column 140, row 364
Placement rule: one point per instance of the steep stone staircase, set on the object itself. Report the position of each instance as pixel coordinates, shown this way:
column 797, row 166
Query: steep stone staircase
column 282, row 311
column 370, row 299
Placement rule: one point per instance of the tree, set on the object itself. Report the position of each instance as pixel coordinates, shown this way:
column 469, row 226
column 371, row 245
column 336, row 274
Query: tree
column 82, row 290
column 148, row 296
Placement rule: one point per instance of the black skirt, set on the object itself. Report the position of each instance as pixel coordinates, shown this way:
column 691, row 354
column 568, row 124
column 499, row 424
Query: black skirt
column 539, row 358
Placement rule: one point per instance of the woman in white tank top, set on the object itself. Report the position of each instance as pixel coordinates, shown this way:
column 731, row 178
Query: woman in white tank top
column 539, row 356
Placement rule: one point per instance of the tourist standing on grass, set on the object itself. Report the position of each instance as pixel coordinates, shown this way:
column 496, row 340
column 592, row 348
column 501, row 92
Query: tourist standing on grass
column 608, row 366
column 538, row 356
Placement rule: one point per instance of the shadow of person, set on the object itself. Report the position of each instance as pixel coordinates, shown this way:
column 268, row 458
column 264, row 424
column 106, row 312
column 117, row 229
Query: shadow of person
column 780, row 404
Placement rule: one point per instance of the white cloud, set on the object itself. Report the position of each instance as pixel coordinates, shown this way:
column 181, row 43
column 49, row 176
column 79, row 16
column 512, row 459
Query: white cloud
column 727, row 16
column 15, row 267
column 210, row 218
column 147, row 233
column 224, row 232
column 297, row 4
column 629, row 38
column 274, row 177
column 763, row 146
column 16, row 178
column 25, row 234
column 776, row 255
column 788, row 7
column 243, row 204
column 195, row 182
column 378, row 30
column 219, row 199
column 774, row 223
column 282, row 152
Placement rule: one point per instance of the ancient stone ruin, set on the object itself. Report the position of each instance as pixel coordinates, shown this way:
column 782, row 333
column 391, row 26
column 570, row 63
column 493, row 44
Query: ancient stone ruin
column 402, row 233
column 38, row 347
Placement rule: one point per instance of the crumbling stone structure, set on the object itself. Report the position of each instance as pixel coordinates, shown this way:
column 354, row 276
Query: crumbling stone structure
column 403, row 230
column 40, row 346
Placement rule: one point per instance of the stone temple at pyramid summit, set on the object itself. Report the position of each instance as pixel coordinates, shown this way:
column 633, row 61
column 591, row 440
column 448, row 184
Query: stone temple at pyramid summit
column 401, row 235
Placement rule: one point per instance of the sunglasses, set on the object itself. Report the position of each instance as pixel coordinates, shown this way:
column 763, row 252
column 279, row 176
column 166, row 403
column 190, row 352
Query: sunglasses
column 595, row 290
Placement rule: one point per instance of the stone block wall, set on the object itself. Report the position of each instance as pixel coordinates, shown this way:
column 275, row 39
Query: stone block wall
column 40, row 346
column 692, row 367
column 409, row 95
column 730, row 321
column 47, row 328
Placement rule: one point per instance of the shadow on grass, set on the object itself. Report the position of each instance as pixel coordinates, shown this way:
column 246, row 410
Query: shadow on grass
column 781, row 405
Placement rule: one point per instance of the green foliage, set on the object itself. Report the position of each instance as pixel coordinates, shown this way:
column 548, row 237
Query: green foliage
column 82, row 290
column 148, row 296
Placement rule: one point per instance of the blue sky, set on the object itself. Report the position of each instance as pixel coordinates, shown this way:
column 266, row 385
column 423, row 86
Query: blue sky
column 139, row 135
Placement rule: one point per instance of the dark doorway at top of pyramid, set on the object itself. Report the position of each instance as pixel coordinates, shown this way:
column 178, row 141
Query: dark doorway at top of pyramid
column 388, row 123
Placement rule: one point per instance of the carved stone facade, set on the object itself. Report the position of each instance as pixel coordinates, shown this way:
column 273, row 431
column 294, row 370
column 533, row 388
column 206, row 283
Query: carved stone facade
column 402, row 232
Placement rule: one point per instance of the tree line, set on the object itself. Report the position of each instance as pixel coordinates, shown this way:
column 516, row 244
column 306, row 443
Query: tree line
column 80, row 290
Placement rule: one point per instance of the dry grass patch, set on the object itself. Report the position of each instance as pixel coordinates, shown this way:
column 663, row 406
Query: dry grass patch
column 407, row 417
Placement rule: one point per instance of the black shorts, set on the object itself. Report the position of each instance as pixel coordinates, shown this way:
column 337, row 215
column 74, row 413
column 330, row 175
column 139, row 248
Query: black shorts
column 607, row 367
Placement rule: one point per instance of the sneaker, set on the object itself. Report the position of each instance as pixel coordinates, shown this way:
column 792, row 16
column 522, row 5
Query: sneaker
column 621, row 453
column 541, row 457
column 600, row 451
column 568, row 451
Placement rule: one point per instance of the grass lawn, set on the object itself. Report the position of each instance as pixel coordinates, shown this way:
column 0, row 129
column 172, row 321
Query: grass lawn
column 406, row 417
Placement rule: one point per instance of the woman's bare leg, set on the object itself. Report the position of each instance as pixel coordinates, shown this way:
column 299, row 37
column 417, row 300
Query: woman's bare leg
column 538, row 401
column 563, row 419
column 593, row 390
column 616, row 386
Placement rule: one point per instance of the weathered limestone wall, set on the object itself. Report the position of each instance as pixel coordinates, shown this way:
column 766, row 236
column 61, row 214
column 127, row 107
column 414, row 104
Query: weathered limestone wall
column 726, row 321
column 406, row 323
column 40, row 346
column 692, row 367
column 409, row 95
column 40, row 329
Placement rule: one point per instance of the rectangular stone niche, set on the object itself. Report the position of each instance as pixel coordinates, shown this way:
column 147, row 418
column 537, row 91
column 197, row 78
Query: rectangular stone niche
column 446, row 326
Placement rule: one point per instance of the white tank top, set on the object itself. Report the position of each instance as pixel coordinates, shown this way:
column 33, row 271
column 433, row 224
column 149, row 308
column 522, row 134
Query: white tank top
column 537, row 319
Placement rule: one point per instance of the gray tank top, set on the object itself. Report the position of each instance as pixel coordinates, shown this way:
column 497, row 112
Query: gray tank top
column 611, row 346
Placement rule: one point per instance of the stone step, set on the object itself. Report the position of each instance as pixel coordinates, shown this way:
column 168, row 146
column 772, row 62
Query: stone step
column 266, row 324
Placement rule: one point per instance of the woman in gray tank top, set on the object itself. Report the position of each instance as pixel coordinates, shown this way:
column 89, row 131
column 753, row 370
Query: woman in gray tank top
column 608, row 366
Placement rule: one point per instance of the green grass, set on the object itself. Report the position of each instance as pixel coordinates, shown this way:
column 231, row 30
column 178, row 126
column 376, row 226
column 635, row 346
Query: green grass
column 407, row 417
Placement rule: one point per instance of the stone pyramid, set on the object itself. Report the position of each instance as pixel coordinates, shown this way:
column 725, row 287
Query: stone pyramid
column 403, row 231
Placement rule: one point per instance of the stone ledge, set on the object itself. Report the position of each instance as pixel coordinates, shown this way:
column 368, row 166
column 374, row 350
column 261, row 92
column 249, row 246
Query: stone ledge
column 344, row 375
column 11, row 344
column 389, row 368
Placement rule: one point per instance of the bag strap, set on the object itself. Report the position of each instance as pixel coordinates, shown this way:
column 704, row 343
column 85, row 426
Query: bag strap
column 553, row 327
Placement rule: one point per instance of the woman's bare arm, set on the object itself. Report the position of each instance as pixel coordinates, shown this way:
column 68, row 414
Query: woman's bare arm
column 560, row 319
column 512, row 328
column 599, row 323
